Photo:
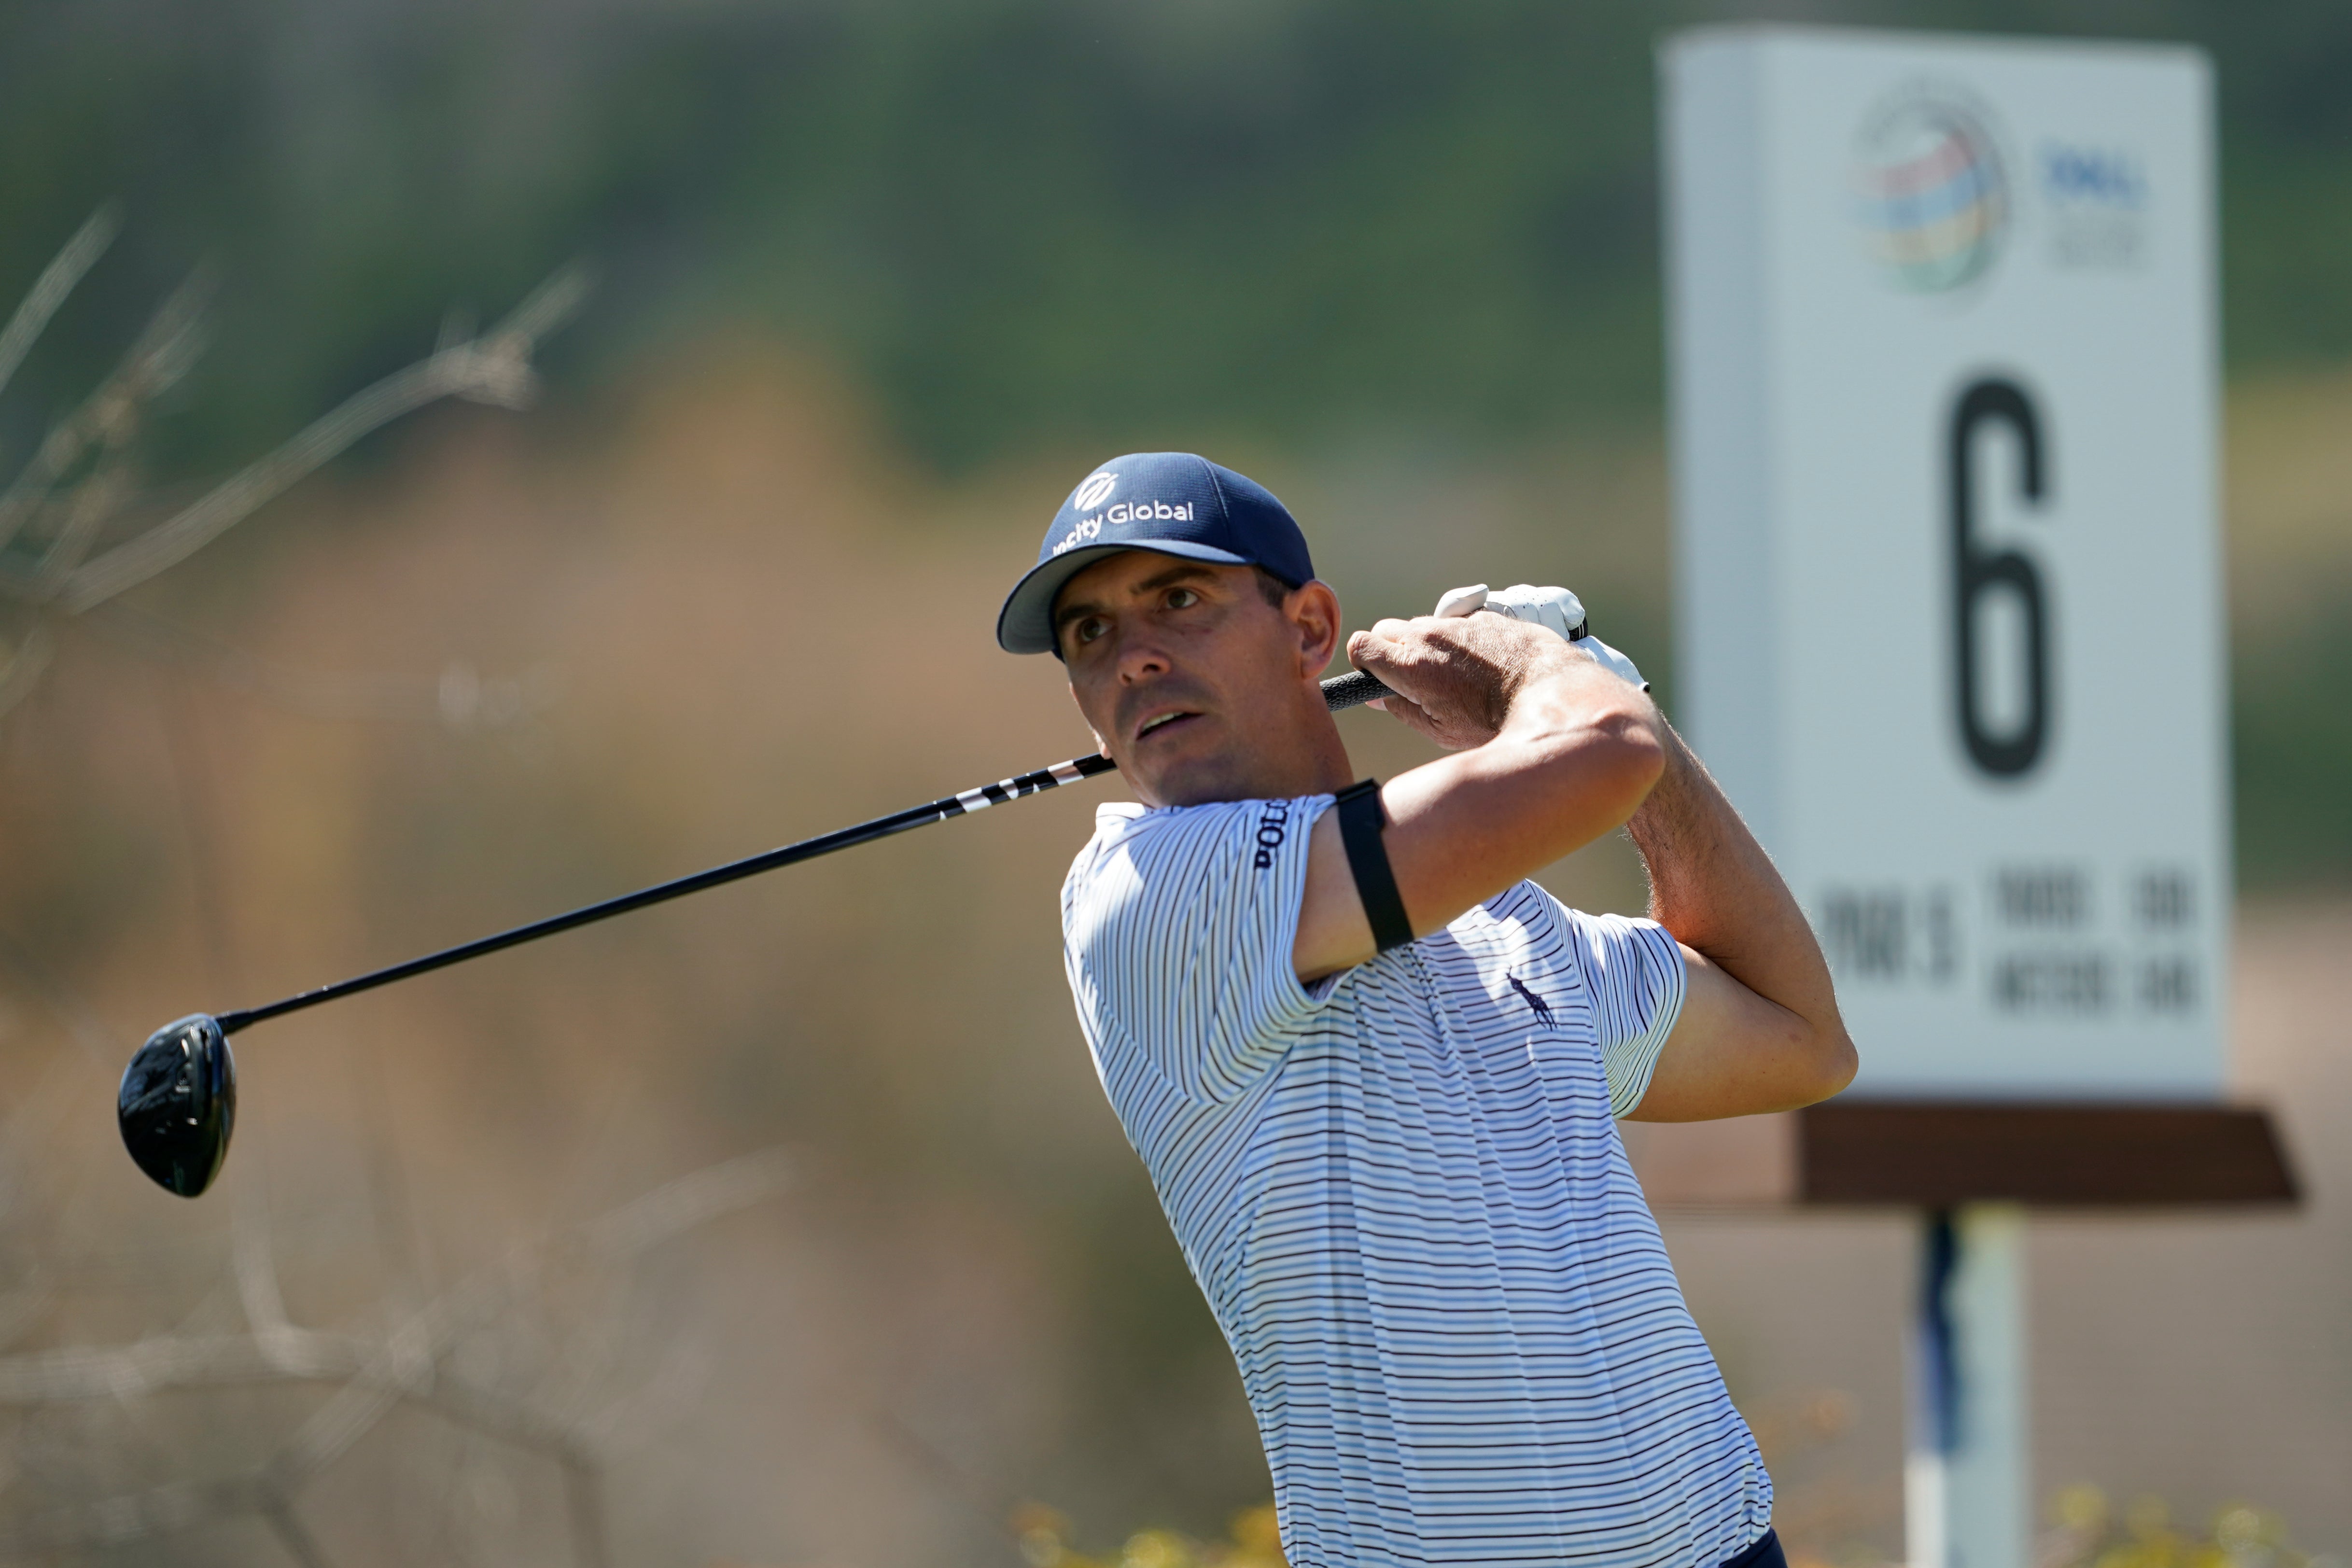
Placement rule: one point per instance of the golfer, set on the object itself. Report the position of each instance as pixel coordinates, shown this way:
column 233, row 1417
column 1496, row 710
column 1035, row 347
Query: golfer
column 1375, row 1071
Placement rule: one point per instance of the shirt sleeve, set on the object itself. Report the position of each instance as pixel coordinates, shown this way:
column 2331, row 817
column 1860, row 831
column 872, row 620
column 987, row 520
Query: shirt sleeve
column 1634, row 972
column 1178, row 935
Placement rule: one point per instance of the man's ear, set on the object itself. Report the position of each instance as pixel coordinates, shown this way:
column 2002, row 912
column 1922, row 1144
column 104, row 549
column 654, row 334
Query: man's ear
column 1313, row 610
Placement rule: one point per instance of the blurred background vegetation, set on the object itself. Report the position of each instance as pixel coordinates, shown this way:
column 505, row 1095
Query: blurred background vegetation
column 875, row 283
column 1058, row 225
column 1013, row 220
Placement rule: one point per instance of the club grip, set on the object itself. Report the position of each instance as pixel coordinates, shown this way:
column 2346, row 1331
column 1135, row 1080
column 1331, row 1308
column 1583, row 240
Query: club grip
column 1351, row 690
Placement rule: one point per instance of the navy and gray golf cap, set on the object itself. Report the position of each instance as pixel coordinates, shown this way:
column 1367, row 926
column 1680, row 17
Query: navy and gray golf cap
column 1171, row 502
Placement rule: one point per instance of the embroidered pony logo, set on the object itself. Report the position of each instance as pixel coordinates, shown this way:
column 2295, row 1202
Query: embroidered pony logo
column 1542, row 1008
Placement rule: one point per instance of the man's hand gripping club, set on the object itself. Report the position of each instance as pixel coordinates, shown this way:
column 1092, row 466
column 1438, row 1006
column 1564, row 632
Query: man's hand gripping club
column 1556, row 743
column 1550, row 751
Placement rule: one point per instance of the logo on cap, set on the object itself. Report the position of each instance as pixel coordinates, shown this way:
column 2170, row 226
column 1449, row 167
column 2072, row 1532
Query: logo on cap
column 1094, row 491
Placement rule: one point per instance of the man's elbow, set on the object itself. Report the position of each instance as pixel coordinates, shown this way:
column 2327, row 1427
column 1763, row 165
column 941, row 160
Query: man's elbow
column 1630, row 757
column 1832, row 1061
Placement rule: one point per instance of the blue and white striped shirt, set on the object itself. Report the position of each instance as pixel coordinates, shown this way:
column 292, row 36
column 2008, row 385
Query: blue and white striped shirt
column 1402, row 1192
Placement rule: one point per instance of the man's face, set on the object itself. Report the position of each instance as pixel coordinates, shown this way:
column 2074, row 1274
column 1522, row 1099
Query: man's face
column 1195, row 685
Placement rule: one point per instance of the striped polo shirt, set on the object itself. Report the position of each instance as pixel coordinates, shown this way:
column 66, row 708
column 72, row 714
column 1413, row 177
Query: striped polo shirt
column 1402, row 1192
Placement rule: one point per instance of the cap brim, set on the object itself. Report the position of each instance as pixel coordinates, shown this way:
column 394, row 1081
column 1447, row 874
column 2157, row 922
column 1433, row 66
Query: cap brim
column 1025, row 624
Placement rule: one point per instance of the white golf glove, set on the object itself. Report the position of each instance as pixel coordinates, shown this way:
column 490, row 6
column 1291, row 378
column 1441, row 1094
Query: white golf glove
column 1554, row 610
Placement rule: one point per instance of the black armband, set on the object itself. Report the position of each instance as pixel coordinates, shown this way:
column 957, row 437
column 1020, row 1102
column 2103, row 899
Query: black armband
column 1360, row 821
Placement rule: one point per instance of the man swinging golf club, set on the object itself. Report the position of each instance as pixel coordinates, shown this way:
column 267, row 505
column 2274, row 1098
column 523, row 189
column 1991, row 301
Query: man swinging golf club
column 1372, row 1069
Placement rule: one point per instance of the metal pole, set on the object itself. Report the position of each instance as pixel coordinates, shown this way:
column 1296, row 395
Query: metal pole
column 1966, row 1482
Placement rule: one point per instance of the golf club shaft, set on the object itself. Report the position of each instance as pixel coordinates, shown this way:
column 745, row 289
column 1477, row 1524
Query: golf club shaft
column 1341, row 692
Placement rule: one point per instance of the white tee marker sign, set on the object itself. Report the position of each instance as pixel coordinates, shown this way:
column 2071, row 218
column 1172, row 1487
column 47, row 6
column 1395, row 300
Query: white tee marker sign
column 1942, row 366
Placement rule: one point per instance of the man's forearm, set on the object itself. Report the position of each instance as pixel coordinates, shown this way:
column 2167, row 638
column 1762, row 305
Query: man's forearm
column 1712, row 886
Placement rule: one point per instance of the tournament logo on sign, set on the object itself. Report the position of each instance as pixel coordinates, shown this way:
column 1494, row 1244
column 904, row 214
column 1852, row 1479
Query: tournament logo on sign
column 1933, row 199
column 1094, row 491
column 2097, row 201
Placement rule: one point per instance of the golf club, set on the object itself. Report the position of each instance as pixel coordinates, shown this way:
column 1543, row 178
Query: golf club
column 177, row 1105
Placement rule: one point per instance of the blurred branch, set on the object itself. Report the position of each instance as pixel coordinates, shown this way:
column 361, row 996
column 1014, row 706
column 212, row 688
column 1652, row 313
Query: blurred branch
column 26, row 661
column 109, row 418
column 407, row 1365
column 291, row 1532
column 131, row 1516
column 82, row 480
column 287, row 1352
column 494, row 368
column 135, row 1371
column 404, row 1362
column 255, row 1270
column 56, row 281
column 691, row 1201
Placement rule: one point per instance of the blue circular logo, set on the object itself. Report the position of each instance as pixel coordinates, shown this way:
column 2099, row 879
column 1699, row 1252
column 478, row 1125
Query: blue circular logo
column 1933, row 199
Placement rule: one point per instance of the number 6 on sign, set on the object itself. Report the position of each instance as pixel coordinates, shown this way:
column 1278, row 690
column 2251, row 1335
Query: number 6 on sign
column 1977, row 572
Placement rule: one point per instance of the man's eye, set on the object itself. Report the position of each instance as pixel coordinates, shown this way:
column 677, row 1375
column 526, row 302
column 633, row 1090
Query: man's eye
column 1183, row 598
column 1090, row 628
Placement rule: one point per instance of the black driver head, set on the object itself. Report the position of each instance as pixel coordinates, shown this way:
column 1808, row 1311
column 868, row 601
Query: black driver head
column 178, row 1104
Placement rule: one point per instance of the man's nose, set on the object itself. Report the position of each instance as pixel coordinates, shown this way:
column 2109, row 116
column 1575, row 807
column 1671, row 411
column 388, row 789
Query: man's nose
column 1141, row 657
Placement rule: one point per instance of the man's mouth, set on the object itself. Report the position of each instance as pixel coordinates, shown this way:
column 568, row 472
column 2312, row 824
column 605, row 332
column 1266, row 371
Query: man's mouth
column 1159, row 721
